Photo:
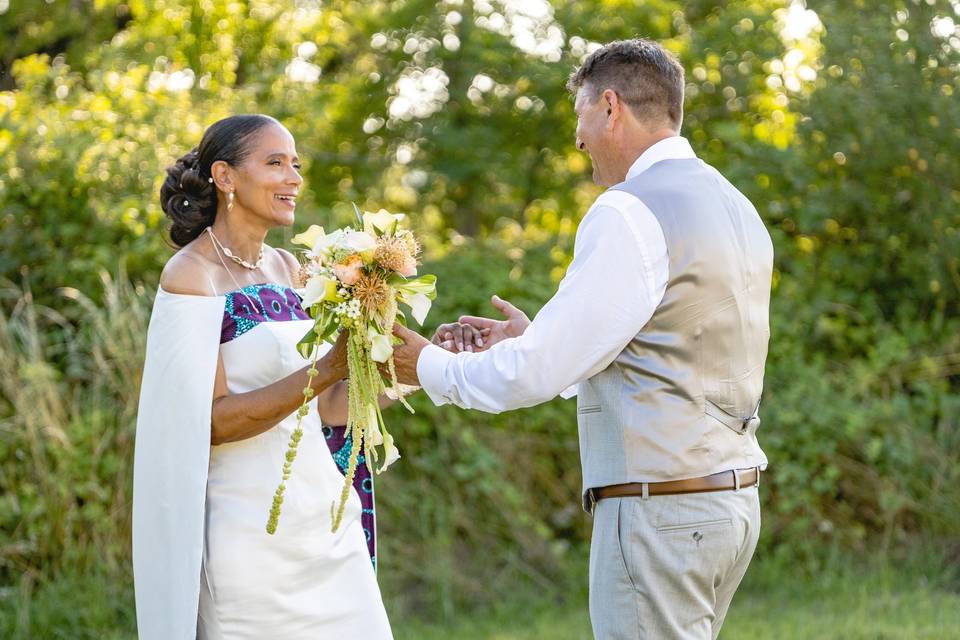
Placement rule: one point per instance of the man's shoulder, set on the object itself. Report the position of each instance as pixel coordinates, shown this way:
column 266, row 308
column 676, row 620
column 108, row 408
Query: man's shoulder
column 615, row 198
column 617, row 202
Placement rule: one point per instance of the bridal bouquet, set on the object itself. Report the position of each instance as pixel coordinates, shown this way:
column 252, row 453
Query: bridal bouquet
column 355, row 281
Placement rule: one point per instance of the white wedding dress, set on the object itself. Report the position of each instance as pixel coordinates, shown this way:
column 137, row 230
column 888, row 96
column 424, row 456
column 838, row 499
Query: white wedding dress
column 303, row 582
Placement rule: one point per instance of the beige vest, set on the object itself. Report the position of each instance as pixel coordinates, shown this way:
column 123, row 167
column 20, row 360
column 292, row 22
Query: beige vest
column 681, row 400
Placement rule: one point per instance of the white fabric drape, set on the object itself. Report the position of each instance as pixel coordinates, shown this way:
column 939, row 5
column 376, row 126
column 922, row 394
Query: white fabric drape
column 171, row 462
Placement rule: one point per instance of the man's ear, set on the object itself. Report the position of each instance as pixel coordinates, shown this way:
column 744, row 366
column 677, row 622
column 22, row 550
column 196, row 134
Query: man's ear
column 613, row 106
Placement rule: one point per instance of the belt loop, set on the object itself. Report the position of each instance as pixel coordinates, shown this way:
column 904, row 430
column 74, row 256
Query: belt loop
column 736, row 479
column 757, row 485
column 645, row 491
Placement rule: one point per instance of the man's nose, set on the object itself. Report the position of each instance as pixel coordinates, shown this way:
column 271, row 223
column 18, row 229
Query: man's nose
column 580, row 145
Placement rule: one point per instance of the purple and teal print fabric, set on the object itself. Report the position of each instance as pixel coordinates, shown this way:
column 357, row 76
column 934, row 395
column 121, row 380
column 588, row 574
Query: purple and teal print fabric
column 247, row 307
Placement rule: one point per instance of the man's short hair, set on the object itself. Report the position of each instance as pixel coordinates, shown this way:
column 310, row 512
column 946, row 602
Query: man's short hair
column 647, row 77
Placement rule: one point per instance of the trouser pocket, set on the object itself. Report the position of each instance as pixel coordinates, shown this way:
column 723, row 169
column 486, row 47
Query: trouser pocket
column 695, row 526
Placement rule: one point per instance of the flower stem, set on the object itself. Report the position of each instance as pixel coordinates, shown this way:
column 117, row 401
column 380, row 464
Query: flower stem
column 303, row 410
column 363, row 388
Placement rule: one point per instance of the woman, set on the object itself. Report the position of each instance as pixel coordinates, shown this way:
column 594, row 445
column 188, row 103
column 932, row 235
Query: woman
column 222, row 382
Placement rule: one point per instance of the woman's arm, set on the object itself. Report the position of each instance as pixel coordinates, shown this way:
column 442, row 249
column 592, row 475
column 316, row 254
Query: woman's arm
column 239, row 416
column 243, row 415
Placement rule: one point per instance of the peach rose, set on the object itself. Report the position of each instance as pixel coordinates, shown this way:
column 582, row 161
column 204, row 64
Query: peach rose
column 349, row 271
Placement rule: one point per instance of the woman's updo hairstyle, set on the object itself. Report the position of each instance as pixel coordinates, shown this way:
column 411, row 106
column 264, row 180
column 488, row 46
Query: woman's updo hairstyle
column 188, row 195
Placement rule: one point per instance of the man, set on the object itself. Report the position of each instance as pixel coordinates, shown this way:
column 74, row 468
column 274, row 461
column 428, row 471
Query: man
column 662, row 321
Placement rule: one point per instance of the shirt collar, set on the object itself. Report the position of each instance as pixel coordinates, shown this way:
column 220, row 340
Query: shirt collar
column 672, row 148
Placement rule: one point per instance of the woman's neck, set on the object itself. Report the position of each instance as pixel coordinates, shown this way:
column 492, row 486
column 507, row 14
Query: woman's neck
column 244, row 240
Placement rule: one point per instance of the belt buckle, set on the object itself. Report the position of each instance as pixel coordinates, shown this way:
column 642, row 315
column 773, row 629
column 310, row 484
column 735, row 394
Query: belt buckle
column 590, row 500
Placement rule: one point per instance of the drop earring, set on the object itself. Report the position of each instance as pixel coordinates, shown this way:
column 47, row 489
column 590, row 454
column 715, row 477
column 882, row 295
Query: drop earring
column 230, row 201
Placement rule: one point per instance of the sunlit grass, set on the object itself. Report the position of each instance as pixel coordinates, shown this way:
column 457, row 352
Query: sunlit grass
column 848, row 599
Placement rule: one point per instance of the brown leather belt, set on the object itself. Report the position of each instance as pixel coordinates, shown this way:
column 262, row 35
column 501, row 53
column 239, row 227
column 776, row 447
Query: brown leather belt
column 731, row 480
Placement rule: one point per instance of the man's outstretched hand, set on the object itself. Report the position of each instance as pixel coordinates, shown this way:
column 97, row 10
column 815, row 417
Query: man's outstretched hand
column 405, row 355
column 494, row 331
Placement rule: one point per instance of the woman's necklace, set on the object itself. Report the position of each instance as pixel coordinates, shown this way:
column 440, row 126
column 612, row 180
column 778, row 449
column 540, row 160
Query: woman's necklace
column 223, row 249
column 240, row 261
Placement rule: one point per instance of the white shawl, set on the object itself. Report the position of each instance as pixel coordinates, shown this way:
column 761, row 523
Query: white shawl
column 171, row 462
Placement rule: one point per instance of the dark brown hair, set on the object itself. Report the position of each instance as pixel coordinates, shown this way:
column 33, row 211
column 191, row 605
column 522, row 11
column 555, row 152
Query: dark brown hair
column 187, row 196
column 647, row 77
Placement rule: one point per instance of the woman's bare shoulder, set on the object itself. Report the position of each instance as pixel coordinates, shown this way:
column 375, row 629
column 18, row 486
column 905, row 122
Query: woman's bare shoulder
column 187, row 273
column 291, row 264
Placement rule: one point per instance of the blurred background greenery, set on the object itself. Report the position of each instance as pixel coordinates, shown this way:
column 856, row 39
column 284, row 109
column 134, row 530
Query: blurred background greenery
column 837, row 118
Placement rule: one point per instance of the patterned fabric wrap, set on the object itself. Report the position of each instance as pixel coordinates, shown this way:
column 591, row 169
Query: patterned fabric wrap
column 247, row 307
column 341, row 445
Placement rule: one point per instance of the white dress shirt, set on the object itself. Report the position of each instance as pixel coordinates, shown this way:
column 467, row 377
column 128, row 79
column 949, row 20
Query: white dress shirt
column 613, row 285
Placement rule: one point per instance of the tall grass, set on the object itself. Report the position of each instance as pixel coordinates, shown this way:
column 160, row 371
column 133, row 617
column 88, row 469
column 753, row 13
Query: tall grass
column 481, row 508
column 68, row 393
column 69, row 381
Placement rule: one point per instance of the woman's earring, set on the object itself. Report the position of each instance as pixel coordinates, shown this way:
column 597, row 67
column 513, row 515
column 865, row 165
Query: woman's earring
column 230, row 201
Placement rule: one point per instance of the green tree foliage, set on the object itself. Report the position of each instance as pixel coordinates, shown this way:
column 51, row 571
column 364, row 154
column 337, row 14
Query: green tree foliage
column 866, row 218
column 457, row 112
column 841, row 126
column 55, row 27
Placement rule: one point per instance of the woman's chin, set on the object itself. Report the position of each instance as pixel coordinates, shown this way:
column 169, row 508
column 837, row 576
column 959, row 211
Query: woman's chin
column 283, row 218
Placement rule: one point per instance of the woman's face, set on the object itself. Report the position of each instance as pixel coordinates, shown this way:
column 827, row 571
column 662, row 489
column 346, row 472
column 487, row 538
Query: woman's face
column 268, row 181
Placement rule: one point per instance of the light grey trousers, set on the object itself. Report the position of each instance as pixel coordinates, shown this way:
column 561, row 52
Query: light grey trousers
column 667, row 567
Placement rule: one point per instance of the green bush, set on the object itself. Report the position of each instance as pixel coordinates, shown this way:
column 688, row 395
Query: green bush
column 492, row 501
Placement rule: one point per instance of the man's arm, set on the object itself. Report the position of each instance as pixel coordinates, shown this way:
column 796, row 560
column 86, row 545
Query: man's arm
column 604, row 300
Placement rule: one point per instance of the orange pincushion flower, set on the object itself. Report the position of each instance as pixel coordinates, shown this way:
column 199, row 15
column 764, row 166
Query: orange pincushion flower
column 394, row 254
column 372, row 291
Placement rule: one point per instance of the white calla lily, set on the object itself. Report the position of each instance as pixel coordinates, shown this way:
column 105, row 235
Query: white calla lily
column 381, row 223
column 324, row 244
column 374, row 437
column 319, row 288
column 419, row 306
column 360, row 241
column 309, row 237
column 390, row 452
column 372, row 423
column 380, row 348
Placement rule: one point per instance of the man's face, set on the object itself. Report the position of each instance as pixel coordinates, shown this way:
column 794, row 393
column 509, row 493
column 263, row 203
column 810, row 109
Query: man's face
column 593, row 135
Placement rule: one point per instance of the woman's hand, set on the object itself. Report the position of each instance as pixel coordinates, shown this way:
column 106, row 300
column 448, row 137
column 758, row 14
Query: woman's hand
column 456, row 337
column 494, row 331
column 336, row 359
